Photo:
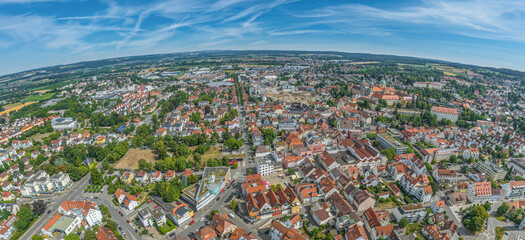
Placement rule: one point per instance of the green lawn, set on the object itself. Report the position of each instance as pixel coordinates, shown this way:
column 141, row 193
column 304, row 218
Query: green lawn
column 499, row 232
column 166, row 228
column 413, row 227
column 36, row 98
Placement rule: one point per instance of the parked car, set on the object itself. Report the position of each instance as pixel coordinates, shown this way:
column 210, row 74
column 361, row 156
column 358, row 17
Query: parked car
column 149, row 201
column 127, row 221
column 192, row 221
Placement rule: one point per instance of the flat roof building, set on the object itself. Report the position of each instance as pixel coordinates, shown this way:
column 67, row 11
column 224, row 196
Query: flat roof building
column 387, row 141
column 211, row 184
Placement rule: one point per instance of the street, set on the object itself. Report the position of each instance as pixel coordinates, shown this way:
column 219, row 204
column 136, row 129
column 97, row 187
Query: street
column 76, row 189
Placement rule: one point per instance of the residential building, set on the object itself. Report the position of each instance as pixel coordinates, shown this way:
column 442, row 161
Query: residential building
column 412, row 212
column 451, row 114
column 105, row 233
column 492, row 170
column 124, row 198
column 479, row 192
column 7, row 227
column 42, row 183
column 145, row 217
column 87, row 211
column 514, row 189
column 206, row 233
column 356, row 232
column 222, row 224
column 279, row 232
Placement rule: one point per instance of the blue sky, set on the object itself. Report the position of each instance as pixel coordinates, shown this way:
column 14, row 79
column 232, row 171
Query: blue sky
column 38, row 33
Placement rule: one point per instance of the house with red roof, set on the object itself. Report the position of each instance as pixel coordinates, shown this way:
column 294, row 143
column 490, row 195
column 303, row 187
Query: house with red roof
column 7, row 227
column 128, row 200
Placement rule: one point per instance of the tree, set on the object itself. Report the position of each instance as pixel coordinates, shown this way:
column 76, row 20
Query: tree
column 25, row 217
column 503, row 209
column 37, row 237
column 72, row 236
column 453, row 159
column 291, row 171
column 96, row 177
column 234, row 205
column 487, row 206
column 250, row 171
column 403, row 222
column 90, row 235
column 39, row 207
column 389, row 153
column 213, row 212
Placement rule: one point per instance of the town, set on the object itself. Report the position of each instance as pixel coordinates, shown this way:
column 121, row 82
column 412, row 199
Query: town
column 274, row 146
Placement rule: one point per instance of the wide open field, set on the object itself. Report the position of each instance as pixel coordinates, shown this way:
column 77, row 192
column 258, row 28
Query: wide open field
column 14, row 107
column 33, row 98
column 214, row 152
column 132, row 157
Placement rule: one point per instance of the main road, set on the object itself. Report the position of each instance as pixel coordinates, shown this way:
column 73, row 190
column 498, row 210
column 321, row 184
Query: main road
column 76, row 189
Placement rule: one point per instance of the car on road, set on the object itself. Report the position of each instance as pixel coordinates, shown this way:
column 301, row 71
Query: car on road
column 231, row 215
column 192, row 221
column 178, row 203
column 157, row 206
column 202, row 218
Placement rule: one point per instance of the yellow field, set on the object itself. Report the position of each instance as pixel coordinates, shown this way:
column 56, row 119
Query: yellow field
column 15, row 107
column 214, row 152
column 361, row 63
column 132, row 157
column 43, row 91
column 449, row 74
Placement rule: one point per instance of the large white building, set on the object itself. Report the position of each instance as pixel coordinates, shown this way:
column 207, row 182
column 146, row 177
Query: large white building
column 62, row 223
column 451, row 114
column 206, row 190
column 63, row 123
column 42, row 183
column 387, row 141
column 514, row 189
column 264, row 166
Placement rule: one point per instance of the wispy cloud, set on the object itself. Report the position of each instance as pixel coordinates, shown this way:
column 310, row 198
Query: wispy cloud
column 26, row 1
column 491, row 19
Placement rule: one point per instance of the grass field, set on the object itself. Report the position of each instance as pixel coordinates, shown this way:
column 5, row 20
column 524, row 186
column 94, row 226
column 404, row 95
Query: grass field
column 43, row 91
column 15, row 107
column 39, row 136
column 499, row 232
column 388, row 205
column 214, row 152
column 42, row 97
column 132, row 157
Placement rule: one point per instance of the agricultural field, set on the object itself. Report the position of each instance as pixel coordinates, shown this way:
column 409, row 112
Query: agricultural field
column 42, row 97
column 132, row 157
column 15, row 107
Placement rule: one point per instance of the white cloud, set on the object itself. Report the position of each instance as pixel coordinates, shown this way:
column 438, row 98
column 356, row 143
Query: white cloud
column 490, row 19
column 26, row 1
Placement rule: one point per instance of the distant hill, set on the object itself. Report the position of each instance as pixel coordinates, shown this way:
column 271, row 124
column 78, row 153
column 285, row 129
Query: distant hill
column 106, row 63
